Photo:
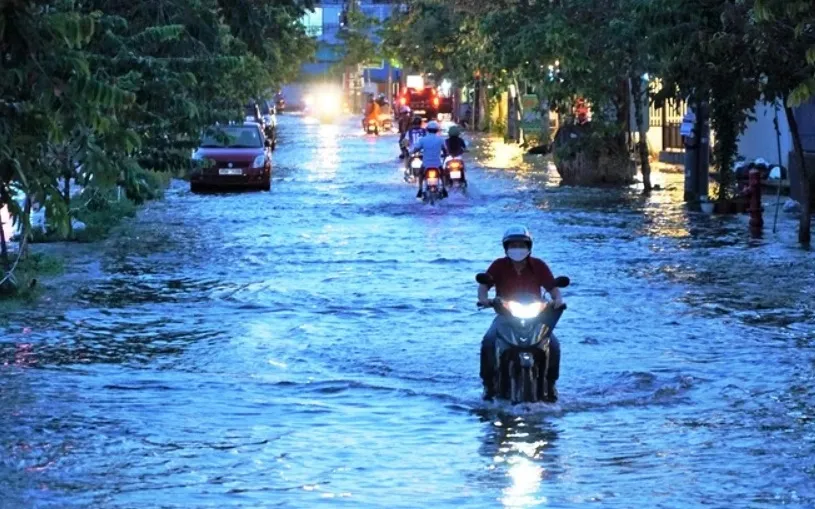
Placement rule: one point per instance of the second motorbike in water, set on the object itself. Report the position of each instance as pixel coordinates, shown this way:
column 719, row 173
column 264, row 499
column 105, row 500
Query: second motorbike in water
column 433, row 187
column 454, row 173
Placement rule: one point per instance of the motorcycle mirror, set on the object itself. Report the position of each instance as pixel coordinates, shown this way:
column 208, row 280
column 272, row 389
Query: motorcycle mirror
column 562, row 281
column 484, row 279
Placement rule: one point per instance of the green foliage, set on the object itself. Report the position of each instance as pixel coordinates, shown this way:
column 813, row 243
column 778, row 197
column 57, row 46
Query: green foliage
column 26, row 287
column 96, row 92
column 357, row 38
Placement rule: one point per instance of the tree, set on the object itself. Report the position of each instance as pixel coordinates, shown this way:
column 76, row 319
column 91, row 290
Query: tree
column 784, row 45
column 101, row 90
column 704, row 53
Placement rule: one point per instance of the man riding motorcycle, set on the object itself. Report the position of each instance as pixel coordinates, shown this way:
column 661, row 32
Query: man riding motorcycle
column 454, row 146
column 516, row 275
column 431, row 147
column 371, row 112
column 404, row 126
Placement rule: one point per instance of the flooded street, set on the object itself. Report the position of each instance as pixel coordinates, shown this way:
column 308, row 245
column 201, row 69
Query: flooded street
column 317, row 346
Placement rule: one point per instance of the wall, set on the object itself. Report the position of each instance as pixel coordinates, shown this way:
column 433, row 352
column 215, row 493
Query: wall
column 760, row 140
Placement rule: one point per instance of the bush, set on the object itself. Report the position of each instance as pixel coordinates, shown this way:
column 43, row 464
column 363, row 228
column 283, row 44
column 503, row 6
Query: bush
column 23, row 283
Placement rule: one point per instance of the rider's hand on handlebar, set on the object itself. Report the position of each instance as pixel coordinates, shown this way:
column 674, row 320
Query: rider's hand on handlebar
column 484, row 303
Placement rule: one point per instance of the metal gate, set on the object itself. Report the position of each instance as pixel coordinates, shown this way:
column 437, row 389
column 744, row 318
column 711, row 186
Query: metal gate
column 672, row 113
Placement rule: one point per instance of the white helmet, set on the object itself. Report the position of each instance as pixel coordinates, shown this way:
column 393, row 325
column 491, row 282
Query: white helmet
column 517, row 233
column 432, row 126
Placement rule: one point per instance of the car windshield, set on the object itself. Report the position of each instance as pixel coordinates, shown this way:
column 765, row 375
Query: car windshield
column 232, row 137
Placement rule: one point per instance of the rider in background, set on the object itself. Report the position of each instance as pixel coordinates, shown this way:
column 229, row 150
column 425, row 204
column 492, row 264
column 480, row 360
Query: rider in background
column 371, row 112
column 415, row 133
column 431, row 147
column 404, row 127
column 454, row 146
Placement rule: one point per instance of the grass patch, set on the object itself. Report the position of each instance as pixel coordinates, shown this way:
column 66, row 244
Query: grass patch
column 100, row 220
column 24, row 286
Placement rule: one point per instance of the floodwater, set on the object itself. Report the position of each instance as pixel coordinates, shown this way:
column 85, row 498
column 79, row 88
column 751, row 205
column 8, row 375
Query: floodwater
column 317, row 346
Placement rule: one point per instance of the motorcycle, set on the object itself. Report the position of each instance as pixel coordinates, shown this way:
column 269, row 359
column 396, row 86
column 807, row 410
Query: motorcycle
column 522, row 348
column 454, row 172
column 413, row 167
column 270, row 129
column 372, row 126
column 387, row 124
column 432, row 191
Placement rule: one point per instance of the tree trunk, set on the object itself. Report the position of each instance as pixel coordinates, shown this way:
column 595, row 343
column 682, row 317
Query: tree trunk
column 804, row 225
column 483, row 107
column 66, row 195
column 4, row 249
column 642, row 143
column 26, row 225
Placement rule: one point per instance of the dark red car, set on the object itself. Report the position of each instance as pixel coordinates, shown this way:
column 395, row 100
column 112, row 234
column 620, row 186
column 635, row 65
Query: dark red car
column 232, row 156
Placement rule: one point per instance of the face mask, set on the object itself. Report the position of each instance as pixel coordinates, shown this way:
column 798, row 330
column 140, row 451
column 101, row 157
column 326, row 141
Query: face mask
column 518, row 254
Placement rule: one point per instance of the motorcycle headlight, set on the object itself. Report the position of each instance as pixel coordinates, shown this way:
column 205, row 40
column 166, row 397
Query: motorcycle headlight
column 260, row 161
column 416, row 163
column 524, row 311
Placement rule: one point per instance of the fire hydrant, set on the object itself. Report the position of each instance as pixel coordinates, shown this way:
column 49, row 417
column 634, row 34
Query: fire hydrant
column 753, row 191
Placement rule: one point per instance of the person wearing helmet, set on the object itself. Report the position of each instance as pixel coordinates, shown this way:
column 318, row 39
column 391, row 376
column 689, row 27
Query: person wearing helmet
column 454, row 146
column 431, row 147
column 404, row 126
column 516, row 275
column 415, row 132
column 371, row 112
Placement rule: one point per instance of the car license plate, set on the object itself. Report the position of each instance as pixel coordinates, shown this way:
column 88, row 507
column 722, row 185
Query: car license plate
column 419, row 112
column 455, row 174
column 230, row 171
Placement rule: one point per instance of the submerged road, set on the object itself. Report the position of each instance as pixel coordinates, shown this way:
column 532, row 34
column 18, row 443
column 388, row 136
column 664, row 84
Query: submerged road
column 317, row 346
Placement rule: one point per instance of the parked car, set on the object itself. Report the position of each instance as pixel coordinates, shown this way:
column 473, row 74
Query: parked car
column 232, row 156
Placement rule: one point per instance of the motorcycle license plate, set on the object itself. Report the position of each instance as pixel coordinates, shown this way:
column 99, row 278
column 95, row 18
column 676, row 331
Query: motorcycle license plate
column 416, row 164
column 432, row 182
column 230, row 171
column 455, row 174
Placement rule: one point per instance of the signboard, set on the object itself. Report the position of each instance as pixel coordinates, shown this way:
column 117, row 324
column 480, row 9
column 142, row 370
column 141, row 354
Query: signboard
column 531, row 119
column 686, row 129
column 414, row 81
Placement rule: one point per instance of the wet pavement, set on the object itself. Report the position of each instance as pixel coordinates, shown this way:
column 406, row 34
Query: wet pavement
column 317, row 346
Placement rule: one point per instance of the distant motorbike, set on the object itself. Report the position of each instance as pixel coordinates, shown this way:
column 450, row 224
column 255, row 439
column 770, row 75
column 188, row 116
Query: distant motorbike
column 413, row 167
column 270, row 130
column 454, row 173
column 280, row 105
column 433, row 190
column 387, row 124
column 371, row 126
column 522, row 349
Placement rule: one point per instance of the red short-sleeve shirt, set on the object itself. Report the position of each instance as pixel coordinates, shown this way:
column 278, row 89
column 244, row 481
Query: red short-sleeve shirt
column 509, row 284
